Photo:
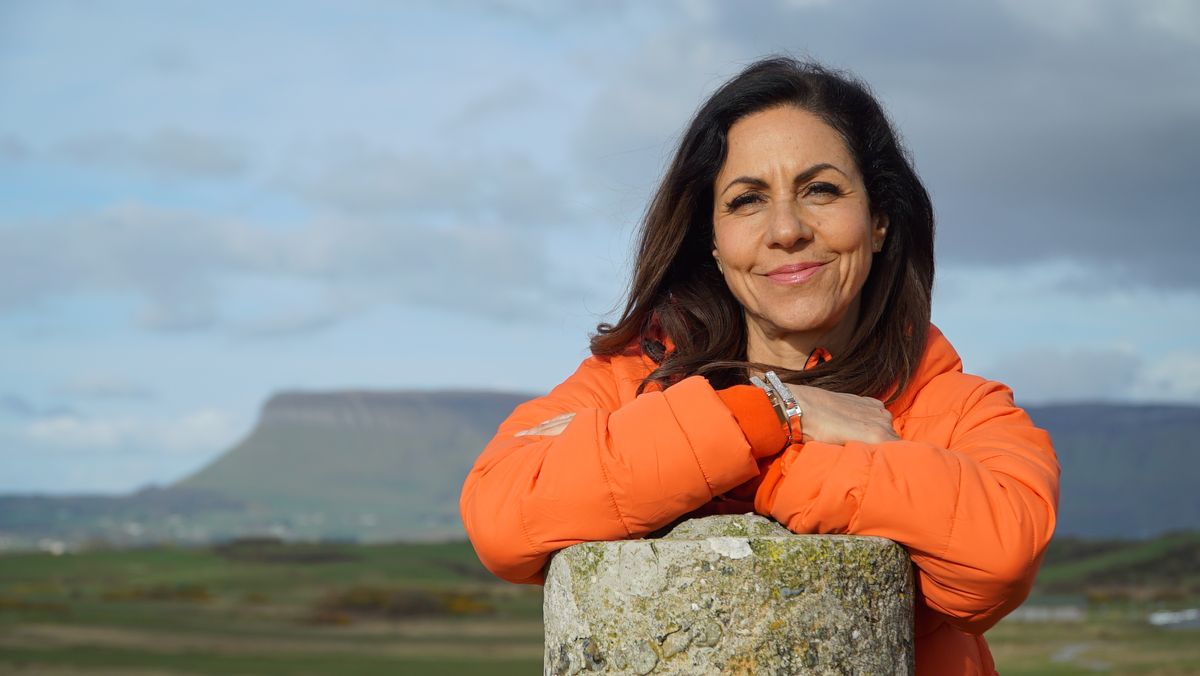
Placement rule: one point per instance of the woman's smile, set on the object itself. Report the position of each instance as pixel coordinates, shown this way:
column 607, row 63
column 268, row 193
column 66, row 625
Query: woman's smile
column 795, row 273
column 793, row 232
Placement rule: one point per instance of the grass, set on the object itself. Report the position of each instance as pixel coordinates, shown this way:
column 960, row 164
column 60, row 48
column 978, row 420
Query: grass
column 1120, row 555
column 1101, row 644
column 271, row 608
column 280, row 609
column 131, row 661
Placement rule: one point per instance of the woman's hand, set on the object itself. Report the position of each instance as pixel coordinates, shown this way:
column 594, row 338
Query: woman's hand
column 835, row 418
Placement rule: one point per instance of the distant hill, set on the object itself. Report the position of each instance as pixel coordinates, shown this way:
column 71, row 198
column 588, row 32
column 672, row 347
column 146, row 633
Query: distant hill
column 353, row 465
column 151, row 514
column 374, row 465
column 1163, row 568
column 367, row 465
column 1128, row 471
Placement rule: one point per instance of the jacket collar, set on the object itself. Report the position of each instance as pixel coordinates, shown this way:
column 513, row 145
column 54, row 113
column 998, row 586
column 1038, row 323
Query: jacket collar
column 939, row 357
column 818, row 356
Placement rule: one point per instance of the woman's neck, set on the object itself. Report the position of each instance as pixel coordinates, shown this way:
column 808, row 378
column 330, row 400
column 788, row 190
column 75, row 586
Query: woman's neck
column 791, row 349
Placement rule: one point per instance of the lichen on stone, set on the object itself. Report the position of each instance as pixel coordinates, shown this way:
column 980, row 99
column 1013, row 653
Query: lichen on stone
column 727, row 525
column 730, row 594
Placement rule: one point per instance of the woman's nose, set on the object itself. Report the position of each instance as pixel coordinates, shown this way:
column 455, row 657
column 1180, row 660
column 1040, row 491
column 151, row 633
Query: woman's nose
column 787, row 227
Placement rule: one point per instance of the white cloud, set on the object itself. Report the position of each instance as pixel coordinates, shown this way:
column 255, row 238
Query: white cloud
column 19, row 406
column 547, row 14
column 169, row 257
column 642, row 106
column 73, row 431
column 519, row 95
column 1048, row 132
column 805, row 4
column 100, row 385
column 185, row 266
column 452, row 184
column 197, row 432
column 1176, row 18
column 1061, row 18
column 181, row 310
column 171, row 152
column 288, row 323
column 16, row 405
column 1055, row 373
column 1173, row 377
column 202, row 430
column 1076, row 19
column 13, row 149
column 1048, row 374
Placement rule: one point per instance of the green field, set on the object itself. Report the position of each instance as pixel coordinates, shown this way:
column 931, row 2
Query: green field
column 1112, row 643
column 263, row 607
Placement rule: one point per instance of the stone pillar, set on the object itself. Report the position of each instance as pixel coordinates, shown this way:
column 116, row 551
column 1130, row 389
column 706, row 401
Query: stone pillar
column 731, row 595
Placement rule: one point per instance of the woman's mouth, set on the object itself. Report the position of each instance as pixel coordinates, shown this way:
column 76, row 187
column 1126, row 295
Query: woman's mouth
column 795, row 273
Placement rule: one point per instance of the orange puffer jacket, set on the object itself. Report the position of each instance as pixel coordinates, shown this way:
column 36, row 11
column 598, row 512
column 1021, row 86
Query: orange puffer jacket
column 970, row 490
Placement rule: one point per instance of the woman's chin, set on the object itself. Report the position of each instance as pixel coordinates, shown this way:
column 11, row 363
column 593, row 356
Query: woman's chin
column 785, row 327
column 813, row 327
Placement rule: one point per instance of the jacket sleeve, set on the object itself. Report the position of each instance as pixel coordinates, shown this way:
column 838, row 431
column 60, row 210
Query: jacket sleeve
column 975, row 516
column 619, row 469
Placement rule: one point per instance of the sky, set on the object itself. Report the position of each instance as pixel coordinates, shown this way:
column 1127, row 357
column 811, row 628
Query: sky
column 202, row 204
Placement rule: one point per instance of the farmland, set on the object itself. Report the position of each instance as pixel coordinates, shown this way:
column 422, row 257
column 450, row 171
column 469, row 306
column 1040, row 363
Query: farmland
column 268, row 607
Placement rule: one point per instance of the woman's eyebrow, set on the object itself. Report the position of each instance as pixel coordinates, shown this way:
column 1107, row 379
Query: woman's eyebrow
column 803, row 176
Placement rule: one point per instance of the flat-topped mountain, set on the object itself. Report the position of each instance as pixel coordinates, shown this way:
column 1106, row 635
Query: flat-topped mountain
column 386, row 465
column 385, row 409
column 359, row 464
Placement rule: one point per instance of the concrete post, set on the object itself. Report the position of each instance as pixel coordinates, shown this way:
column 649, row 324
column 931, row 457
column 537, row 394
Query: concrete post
column 731, row 595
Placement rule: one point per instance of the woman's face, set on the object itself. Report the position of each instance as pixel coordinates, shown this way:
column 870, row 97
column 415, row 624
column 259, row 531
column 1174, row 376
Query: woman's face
column 792, row 226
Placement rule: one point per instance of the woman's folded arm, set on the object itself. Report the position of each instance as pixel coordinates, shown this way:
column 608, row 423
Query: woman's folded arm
column 615, row 471
column 975, row 515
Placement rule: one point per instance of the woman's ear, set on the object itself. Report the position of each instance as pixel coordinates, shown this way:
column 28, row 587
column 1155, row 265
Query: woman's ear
column 879, row 232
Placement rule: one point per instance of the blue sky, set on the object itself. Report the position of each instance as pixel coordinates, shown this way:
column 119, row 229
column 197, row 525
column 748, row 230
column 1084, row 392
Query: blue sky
column 204, row 204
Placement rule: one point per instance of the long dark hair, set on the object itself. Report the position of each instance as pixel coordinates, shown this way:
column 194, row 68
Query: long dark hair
column 677, row 290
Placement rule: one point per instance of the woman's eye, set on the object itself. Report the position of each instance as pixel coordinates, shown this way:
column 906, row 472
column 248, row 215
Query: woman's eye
column 823, row 190
column 742, row 200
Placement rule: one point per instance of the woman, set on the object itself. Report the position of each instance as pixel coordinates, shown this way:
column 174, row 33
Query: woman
column 790, row 235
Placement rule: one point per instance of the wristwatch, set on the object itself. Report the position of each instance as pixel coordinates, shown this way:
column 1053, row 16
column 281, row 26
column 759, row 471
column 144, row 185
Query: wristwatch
column 785, row 404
